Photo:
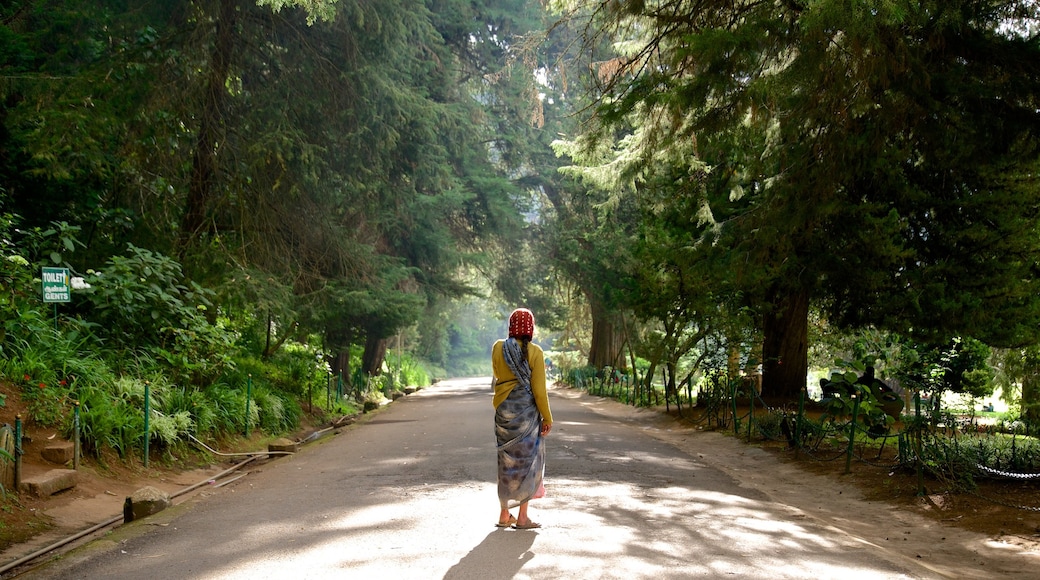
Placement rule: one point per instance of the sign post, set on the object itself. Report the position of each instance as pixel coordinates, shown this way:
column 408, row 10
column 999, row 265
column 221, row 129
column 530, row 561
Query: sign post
column 57, row 288
column 57, row 285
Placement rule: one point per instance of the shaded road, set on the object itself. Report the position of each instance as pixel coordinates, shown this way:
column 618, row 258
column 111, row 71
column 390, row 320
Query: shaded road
column 409, row 493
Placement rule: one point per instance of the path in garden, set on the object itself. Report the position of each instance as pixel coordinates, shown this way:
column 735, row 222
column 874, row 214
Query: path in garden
column 408, row 493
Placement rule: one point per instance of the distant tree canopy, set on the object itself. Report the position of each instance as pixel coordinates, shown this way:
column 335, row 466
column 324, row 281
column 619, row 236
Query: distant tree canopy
column 345, row 169
column 335, row 164
column 876, row 160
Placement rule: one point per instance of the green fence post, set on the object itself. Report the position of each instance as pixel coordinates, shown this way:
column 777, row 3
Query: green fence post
column 249, row 395
column 17, row 452
column 339, row 386
column 147, row 416
column 852, row 433
column 75, row 435
column 798, row 424
column 733, row 398
column 751, row 415
column 918, row 444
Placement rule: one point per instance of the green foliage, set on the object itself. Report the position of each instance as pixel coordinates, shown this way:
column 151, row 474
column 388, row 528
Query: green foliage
column 46, row 398
column 876, row 160
column 412, row 372
column 193, row 403
column 22, row 252
column 224, row 409
column 316, row 9
column 141, row 302
column 112, row 418
column 49, row 363
column 964, row 460
column 49, row 246
column 846, row 394
column 293, row 370
column 347, row 219
column 960, row 366
column 769, row 424
column 169, row 429
column 276, row 411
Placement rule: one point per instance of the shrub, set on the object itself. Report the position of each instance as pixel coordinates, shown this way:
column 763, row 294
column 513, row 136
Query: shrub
column 143, row 303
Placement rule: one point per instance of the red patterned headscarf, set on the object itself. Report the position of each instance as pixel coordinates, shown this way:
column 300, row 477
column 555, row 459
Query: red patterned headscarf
column 521, row 323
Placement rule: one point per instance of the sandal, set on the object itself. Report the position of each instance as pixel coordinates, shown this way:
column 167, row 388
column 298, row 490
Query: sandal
column 528, row 526
column 512, row 521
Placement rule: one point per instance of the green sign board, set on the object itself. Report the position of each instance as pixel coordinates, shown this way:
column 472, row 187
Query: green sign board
column 56, row 285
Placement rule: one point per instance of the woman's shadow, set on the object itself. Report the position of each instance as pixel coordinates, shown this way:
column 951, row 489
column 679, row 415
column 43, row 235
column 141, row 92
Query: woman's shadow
column 504, row 552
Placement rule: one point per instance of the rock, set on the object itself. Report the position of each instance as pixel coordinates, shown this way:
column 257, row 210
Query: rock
column 283, row 445
column 59, row 453
column 410, row 390
column 145, row 502
column 371, row 406
column 49, row 483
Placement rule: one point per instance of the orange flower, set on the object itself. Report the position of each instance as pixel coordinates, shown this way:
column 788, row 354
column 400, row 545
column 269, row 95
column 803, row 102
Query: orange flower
column 27, row 378
column 43, row 386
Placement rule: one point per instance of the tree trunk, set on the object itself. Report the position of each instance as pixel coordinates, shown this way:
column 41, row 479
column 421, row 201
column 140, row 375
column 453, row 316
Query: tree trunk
column 1031, row 398
column 607, row 340
column 204, row 159
column 733, row 360
column 340, row 363
column 375, row 352
column 270, row 349
column 785, row 347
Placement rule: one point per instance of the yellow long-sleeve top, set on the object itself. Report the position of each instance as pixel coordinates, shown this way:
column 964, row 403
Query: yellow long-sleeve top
column 505, row 380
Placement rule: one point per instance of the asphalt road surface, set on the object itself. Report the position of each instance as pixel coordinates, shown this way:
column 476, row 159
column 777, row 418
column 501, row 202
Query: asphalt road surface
column 409, row 492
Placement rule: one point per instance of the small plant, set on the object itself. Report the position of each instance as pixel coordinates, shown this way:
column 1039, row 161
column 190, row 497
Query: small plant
column 769, row 425
column 47, row 398
column 168, row 429
column 848, row 393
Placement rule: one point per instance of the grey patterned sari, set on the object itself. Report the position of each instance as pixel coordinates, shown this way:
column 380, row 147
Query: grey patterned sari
column 521, row 451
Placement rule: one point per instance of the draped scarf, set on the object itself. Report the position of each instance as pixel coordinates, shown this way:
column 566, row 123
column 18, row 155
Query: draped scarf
column 513, row 353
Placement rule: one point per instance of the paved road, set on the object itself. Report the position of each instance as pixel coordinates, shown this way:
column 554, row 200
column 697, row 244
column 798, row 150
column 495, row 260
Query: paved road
column 409, row 493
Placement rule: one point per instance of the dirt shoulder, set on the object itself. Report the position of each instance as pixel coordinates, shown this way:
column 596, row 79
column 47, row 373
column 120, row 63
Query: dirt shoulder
column 29, row 524
column 994, row 510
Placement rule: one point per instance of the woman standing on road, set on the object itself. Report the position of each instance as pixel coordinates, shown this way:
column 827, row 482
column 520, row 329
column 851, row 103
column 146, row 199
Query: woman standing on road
column 522, row 419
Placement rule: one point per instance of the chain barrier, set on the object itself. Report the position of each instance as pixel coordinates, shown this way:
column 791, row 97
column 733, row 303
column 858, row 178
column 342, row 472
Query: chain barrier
column 876, row 463
column 1007, row 474
column 1004, row 503
column 812, row 455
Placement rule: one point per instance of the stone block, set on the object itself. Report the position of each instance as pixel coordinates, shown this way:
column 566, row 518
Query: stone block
column 145, row 502
column 59, row 453
column 283, row 445
column 49, row 483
